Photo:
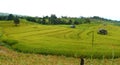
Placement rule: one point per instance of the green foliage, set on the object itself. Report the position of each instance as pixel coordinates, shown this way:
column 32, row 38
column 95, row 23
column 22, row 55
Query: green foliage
column 16, row 21
column 3, row 17
column 53, row 19
column 43, row 21
column 87, row 20
column 70, row 22
column 10, row 17
column 32, row 19
column 76, row 22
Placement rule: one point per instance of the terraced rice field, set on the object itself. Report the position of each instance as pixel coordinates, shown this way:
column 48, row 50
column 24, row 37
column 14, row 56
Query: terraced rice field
column 63, row 40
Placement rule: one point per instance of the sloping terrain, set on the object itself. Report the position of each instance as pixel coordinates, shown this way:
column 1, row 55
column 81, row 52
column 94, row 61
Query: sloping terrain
column 63, row 40
column 9, row 57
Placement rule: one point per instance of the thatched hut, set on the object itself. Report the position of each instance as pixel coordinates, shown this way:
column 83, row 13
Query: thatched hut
column 72, row 26
column 103, row 32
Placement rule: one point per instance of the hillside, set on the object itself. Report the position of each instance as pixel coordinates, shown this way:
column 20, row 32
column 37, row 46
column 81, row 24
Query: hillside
column 62, row 40
column 6, row 14
column 9, row 57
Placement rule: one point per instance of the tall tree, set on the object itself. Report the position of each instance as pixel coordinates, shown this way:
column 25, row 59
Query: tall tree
column 70, row 22
column 76, row 22
column 43, row 21
column 87, row 20
column 53, row 19
column 16, row 21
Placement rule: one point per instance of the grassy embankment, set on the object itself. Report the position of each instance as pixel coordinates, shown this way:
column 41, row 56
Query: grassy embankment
column 9, row 57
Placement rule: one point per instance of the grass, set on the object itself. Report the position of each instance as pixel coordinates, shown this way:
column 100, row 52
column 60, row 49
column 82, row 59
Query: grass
column 9, row 57
column 63, row 40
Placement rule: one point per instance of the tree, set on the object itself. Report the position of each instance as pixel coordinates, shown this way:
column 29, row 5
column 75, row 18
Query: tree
column 53, row 19
column 10, row 17
column 32, row 19
column 43, row 21
column 16, row 21
column 3, row 17
column 76, row 22
column 87, row 20
column 70, row 22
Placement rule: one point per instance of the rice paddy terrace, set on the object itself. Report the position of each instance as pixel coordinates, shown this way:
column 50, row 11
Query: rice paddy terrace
column 63, row 40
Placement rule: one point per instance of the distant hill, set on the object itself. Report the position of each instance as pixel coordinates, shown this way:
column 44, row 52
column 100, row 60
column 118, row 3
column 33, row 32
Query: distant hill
column 4, row 14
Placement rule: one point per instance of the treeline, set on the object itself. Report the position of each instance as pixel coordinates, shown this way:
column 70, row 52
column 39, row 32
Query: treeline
column 8, row 17
column 54, row 20
column 104, row 19
column 11, row 17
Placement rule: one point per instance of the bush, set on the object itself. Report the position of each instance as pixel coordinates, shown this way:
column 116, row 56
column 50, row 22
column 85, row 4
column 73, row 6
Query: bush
column 9, row 42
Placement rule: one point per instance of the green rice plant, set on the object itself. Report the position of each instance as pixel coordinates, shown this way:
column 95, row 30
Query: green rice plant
column 113, row 54
column 9, row 42
column 62, row 40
